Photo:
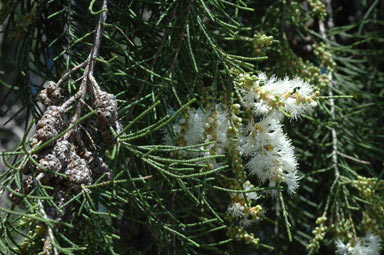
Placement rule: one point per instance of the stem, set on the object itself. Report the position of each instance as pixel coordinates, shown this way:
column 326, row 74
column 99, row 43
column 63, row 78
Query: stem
column 96, row 46
column 67, row 74
column 50, row 232
column 88, row 72
column 331, row 84
column 354, row 159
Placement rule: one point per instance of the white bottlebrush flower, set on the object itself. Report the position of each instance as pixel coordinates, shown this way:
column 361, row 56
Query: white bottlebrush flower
column 262, row 165
column 300, row 99
column 368, row 245
column 168, row 140
column 286, row 154
column 259, row 134
column 193, row 123
column 236, row 210
column 245, row 222
column 247, row 144
column 196, row 126
column 250, row 195
column 291, row 179
column 262, row 108
column 341, row 248
column 222, row 125
column 242, row 209
column 272, row 154
column 294, row 96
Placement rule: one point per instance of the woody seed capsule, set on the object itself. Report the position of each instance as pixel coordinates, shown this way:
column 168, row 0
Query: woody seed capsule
column 50, row 86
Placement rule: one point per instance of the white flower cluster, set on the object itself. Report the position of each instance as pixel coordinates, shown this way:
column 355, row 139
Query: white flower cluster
column 368, row 245
column 269, row 149
column 242, row 209
column 266, row 96
column 271, row 153
column 202, row 127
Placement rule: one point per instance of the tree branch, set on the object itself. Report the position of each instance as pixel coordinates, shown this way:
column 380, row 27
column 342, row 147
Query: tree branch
column 88, row 72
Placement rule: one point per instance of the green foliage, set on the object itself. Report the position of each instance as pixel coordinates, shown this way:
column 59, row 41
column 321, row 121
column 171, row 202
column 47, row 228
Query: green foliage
column 163, row 60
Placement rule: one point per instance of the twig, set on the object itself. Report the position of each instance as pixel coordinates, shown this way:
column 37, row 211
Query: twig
column 96, row 45
column 354, row 159
column 353, row 226
column 88, row 72
column 95, row 86
column 332, row 110
column 39, row 177
column 99, row 31
column 75, row 97
column 67, row 74
column 50, row 232
column 79, row 95
column 331, row 84
column 126, row 37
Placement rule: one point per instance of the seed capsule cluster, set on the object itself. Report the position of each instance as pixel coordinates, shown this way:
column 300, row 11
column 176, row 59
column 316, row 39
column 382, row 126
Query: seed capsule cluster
column 99, row 167
column 62, row 150
column 50, row 95
column 78, row 171
column 64, row 156
column 72, row 160
column 106, row 106
column 55, row 159
column 51, row 162
column 49, row 124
